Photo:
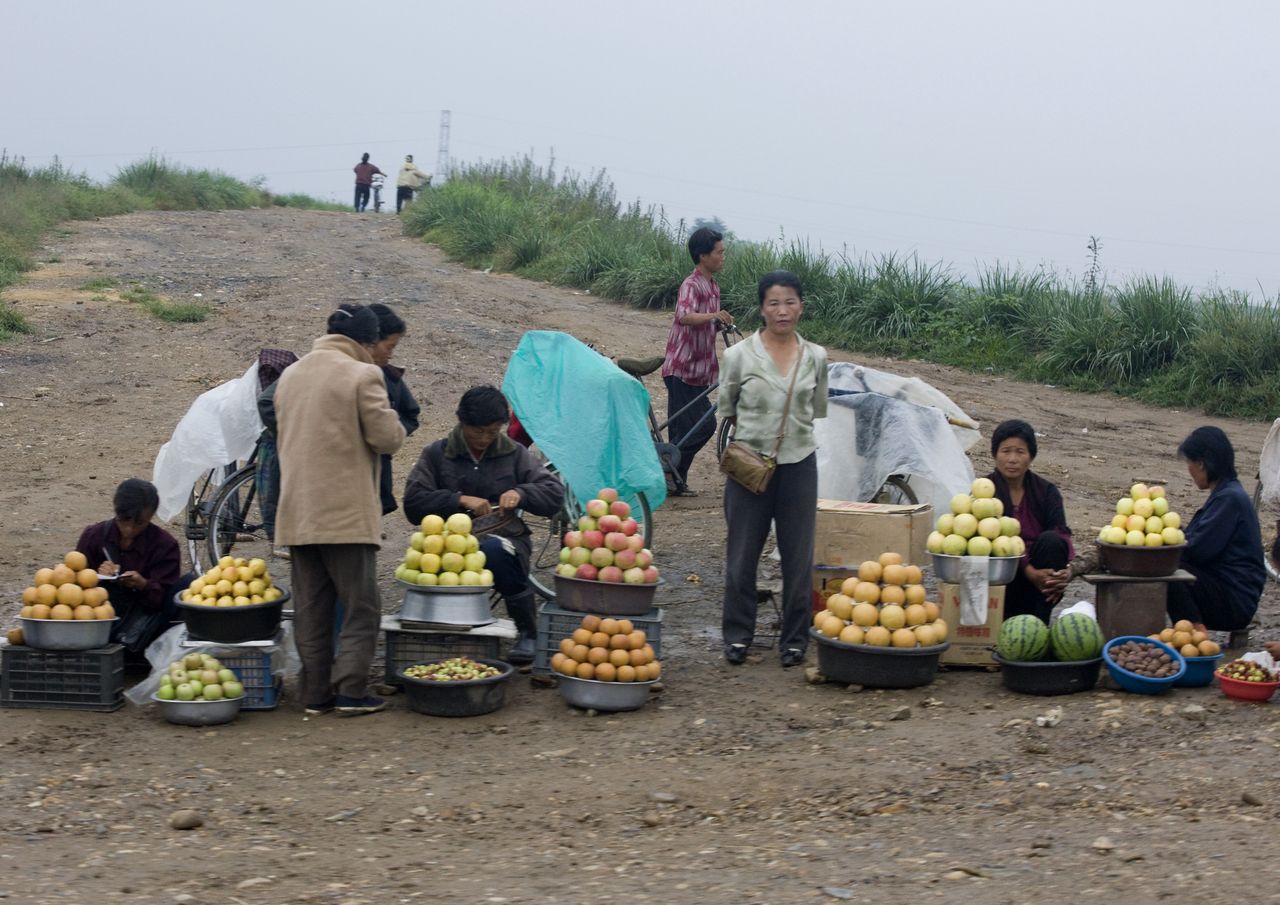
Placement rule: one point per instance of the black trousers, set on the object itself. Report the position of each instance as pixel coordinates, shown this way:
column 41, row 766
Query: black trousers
column 362, row 197
column 1048, row 551
column 404, row 194
column 680, row 394
column 1209, row 602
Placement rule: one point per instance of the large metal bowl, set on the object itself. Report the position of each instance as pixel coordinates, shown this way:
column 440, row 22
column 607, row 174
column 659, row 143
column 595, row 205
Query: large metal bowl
column 604, row 598
column 468, row 698
column 199, row 713
column 1142, row 562
column 1000, row 569
column 67, row 634
column 591, row 694
column 466, row 606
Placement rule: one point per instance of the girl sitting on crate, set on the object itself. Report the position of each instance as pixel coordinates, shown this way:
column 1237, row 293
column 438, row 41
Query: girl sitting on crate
column 478, row 469
column 144, row 561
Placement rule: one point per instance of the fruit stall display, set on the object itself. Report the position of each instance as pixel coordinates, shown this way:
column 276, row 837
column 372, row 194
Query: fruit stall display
column 444, row 553
column 1037, row 659
column 884, row 605
column 1187, row 640
column 234, row 581
column 68, row 591
column 606, row 650
column 198, row 677
column 976, row 526
column 607, row 545
column 1247, row 680
column 1143, row 519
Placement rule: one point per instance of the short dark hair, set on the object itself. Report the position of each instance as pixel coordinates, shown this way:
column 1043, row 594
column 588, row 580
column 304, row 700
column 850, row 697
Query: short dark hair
column 389, row 323
column 135, row 498
column 778, row 278
column 482, row 406
column 703, row 242
column 364, row 158
column 1014, row 428
column 1210, row 447
column 355, row 322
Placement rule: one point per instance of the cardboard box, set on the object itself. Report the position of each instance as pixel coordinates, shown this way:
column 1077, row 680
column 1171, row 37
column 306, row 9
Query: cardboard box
column 827, row 581
column 971, row 645
column 849, row 533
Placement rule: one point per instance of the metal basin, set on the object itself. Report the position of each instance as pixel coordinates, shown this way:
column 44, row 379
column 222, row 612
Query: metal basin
column 199, row 713
column 467, row 606
column 604, row 598
column 67, row 634
column 1000, row 569
column 591, row 694
column 1142, row 562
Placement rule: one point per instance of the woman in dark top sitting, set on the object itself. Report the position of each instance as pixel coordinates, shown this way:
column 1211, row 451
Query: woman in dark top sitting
column 1224, row 544
column 1037, row 505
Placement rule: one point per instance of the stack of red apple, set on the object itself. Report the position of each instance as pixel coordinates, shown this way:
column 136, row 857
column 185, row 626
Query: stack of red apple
column 608, row 545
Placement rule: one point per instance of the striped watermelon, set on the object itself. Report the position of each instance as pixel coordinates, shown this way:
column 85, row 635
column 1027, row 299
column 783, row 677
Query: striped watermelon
column 1023, row 638
column 1076, row 637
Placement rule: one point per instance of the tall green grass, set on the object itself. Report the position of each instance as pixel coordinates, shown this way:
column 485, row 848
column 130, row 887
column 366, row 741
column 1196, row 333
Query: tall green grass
column 1148, row 337
column 35, row 199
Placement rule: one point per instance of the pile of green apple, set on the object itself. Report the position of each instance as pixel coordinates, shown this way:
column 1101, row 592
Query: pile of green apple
column 198, row 677
column 976, row 526
column 444, row 552
column 1144, row 519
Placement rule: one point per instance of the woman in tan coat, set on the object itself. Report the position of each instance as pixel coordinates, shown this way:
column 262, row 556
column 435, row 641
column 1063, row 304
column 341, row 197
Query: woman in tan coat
column 333, row 422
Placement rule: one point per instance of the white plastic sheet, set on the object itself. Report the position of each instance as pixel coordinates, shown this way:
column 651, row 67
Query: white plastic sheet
column 881, row 424
column 1269, row 465
column 222, row 426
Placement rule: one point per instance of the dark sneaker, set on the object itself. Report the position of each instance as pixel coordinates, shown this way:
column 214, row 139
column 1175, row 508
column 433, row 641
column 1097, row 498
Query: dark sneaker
column 321, row 708
column 792, row 656
column 359, row 706
column 736, row 653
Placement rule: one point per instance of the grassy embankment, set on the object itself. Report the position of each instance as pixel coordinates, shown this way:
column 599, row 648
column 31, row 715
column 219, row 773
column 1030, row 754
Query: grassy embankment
column 34, row 200
column 1151, row 338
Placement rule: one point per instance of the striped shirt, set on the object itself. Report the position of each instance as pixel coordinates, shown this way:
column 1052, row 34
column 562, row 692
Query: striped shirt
column 691, row 350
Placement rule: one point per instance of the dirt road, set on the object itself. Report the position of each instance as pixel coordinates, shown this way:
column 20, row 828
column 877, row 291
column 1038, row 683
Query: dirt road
column 742, row 785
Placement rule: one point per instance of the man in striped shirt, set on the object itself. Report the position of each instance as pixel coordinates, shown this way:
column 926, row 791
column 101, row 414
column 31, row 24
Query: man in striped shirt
column 691, row 365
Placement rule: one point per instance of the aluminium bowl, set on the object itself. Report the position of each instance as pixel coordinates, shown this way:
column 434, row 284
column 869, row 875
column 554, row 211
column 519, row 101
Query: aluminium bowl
column 67, row 634
column 1000, row 569
column 592, row 694
column 199, row 712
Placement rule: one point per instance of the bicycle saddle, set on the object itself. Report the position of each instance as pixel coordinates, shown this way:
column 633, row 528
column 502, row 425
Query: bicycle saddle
column 639, row 367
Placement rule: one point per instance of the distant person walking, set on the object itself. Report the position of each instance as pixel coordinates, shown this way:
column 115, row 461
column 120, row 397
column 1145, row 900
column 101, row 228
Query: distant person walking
column 365, row 172
column 691, row 365
column 411, row 179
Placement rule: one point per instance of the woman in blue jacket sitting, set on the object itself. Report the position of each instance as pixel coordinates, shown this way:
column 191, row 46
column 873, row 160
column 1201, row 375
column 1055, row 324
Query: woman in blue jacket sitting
column 1224, row 543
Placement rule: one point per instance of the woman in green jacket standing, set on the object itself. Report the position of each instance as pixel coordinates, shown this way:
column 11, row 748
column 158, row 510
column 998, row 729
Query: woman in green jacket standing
column 773, row 372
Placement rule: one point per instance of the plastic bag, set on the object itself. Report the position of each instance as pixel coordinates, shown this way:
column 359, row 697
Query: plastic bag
column 169, row 647
column 878, row 425
column 222, row 426
column 587, row 416
column 1269, row 465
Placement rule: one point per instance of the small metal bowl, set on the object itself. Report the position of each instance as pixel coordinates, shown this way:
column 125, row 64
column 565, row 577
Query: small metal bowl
column 1000, row 569
column 199, row 713
column 591, row 694
column 67, row 634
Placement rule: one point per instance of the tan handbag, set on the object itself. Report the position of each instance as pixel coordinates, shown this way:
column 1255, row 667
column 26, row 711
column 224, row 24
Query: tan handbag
column 748, row 467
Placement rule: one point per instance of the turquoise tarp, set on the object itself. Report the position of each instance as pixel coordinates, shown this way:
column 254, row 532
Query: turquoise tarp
column 588, row 417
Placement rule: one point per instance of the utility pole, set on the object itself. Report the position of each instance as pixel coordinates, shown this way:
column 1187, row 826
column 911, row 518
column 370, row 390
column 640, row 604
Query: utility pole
column 442, row 155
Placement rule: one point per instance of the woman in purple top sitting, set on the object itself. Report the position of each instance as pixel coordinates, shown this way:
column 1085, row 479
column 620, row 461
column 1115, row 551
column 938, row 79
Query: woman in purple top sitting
column 1037, row 505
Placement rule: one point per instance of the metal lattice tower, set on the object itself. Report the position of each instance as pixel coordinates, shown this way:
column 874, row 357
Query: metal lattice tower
column 442, row 155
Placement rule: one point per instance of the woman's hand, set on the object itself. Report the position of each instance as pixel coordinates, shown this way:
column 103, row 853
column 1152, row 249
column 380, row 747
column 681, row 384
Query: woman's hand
column 1049, row 582
column 477, row 506
column 133, row 581
column 724, row 316
column 510, row 500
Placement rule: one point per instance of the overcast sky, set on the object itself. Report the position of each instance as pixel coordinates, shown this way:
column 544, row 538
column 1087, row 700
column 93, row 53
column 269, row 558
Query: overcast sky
column 961, row 131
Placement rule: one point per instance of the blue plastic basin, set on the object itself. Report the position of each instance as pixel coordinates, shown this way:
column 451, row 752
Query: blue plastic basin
column 1131, row 681
column 1199, row 671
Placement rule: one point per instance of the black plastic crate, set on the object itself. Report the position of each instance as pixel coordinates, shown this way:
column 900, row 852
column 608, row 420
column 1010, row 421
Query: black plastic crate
column 408, row 648
column 62, row 679
column 555, row 624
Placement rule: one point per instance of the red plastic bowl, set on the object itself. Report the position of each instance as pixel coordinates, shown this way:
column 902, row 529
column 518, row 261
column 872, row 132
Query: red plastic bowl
column 1246, row 691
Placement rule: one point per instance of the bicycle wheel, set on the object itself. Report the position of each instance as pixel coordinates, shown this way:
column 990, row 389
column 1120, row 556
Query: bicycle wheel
column 236, row 521
column 724, row 436
column 896, row 491
column 204, row 494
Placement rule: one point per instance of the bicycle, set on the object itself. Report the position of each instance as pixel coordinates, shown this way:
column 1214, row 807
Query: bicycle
column 224, row 513
column 377, row 183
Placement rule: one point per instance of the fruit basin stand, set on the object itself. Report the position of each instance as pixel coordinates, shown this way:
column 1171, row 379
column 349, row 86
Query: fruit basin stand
column 1132, row 605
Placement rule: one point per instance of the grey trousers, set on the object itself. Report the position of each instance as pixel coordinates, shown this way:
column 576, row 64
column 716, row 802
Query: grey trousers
column 790, row 502
column 323, row 574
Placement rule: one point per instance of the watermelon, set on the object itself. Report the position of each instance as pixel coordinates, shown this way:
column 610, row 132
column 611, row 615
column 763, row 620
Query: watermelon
column 1076, row 637
column 1023, row 638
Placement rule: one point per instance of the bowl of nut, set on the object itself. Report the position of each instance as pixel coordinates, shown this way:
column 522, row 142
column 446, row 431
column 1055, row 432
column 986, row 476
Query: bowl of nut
column 1142, row 665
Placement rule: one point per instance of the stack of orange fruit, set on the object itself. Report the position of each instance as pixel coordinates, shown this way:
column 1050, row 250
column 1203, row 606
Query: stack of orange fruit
column 607, row 650
column 69, row 590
